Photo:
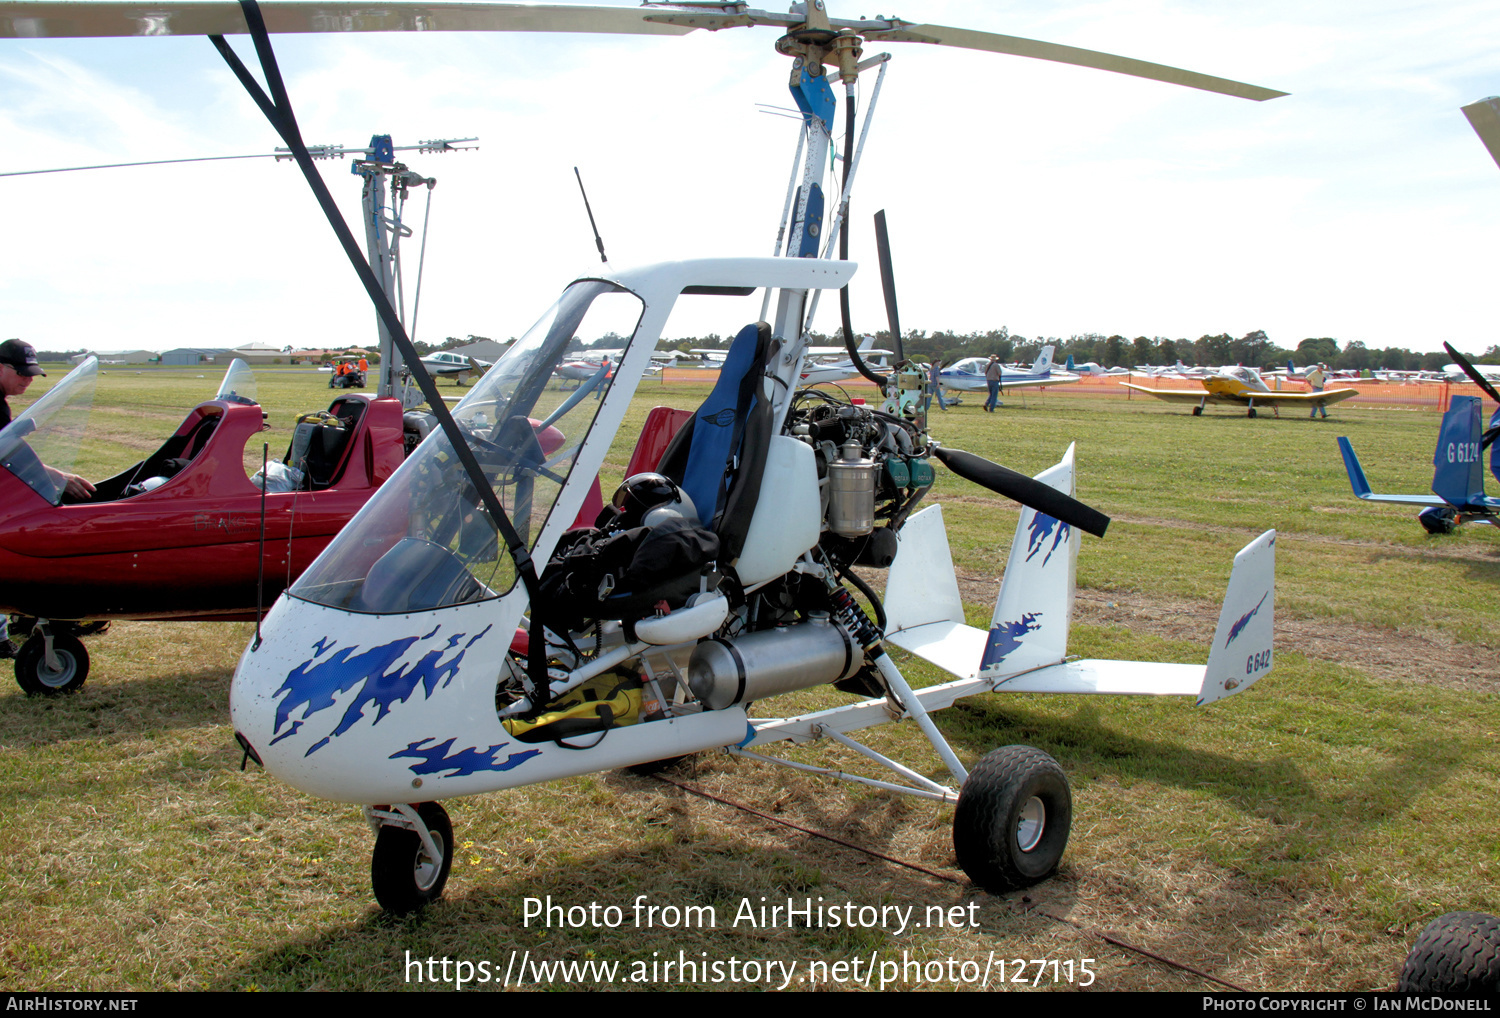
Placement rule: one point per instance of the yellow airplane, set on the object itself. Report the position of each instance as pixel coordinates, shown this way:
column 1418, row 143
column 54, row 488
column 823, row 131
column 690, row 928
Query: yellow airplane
column 1241, row 386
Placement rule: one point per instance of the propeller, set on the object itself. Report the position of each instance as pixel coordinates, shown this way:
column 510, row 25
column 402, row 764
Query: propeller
column 1028, row 491
column 888, row 282
column 1484, row 117
column 1469, row 369
column 76, row 20
column 1012, row 484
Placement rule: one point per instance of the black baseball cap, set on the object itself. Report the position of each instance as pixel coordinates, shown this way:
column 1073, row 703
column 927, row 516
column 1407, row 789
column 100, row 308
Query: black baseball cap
column 21, row 356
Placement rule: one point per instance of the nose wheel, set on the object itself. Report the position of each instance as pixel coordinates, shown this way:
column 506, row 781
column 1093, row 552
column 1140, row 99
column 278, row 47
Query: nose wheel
column 51, row 663
column 412, row 857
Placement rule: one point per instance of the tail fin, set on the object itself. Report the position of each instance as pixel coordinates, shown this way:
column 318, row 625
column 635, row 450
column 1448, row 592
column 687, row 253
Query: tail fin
column 1029, row 628
column 1356, row 472
column 1069, row 365
column 1241, row 652
column 1044, row 361
column 1459, row 475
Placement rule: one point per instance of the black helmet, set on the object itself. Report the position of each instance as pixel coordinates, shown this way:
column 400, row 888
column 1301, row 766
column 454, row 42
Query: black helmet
column 643, row 492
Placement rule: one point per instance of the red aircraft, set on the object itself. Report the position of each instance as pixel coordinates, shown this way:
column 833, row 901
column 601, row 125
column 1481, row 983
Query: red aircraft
column 177, row 535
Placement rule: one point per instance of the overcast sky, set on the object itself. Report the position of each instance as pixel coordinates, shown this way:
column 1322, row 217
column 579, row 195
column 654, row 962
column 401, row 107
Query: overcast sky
column 1052, row 200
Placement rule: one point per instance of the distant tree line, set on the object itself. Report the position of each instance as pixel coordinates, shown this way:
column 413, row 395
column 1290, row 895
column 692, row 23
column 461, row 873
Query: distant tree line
column 1254, row 349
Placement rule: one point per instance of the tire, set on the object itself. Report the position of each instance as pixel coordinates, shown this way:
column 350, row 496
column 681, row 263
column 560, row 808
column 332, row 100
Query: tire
column 1013, row 818
column 1197, row 411
column 1251, row 413
column 405, row 878
column 33, row 675
column 1456, row 953
column 1438, row 519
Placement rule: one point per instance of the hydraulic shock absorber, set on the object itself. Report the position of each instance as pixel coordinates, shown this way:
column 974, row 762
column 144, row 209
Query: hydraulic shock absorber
column 848, row 611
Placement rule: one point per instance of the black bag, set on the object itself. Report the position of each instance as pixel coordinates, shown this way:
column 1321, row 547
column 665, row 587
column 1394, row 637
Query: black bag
column 599, row 574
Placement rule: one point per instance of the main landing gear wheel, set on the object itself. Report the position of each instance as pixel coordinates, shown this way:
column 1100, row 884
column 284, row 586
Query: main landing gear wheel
column 1456, row 953
column 1251, row 412
column 405, row 876
column 1438, row 519
column 33, row 674
column 1013, row 818
column 1197, row 411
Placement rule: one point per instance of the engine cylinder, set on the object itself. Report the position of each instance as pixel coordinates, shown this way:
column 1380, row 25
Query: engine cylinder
column 722, row 673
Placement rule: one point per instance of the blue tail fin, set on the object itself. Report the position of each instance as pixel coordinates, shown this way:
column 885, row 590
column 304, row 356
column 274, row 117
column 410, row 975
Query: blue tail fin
column 1356, row 472
column 1459, row 475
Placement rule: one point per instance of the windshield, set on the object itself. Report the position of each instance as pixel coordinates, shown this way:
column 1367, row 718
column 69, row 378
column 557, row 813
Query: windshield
column 425, row 540
column 238, row 385
column 50, row 431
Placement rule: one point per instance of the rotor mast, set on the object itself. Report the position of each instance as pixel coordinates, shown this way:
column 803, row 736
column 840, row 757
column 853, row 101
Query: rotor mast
column 383, row 235
column 813, row 46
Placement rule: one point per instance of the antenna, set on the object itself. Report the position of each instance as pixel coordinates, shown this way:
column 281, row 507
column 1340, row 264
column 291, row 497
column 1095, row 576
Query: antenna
column 598, row 241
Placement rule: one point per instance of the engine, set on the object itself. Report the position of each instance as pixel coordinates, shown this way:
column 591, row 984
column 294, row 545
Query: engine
column 873, row 469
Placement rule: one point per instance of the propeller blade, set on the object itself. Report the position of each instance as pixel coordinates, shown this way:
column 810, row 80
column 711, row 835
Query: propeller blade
column 1028, row 491
column 1484, row 117
column 1015, row 46
column 80, row 20
column 1472, row 372
column 888, row 283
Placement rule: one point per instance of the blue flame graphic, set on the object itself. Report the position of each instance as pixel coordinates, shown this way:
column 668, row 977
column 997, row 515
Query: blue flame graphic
column 1239, row 627
column 1042, row 527
column 1006, row 637
column 465, row 761
column 374, row 673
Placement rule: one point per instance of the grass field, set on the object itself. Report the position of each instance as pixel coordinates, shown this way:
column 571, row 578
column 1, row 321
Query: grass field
column 1295, row 837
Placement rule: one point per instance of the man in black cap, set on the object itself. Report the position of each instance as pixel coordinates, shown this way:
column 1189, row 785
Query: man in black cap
column 17, row 367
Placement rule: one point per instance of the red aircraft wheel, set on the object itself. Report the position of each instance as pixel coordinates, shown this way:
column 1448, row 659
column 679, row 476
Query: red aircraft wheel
column 406, row 878
column 33, row 675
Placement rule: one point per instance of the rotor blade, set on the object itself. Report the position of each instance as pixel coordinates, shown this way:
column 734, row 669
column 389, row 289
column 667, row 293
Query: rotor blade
column 1015, row 46
column 888, row 283
column 29, row 20
column 1472, row 372
column 1028, row 491
column 1484, row 117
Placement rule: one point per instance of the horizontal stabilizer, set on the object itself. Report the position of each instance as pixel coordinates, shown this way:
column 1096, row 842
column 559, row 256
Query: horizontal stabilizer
column 1362, row 487
column 1120, row 678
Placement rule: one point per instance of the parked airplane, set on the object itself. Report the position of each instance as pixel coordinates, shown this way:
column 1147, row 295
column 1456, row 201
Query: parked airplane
column 1242, row 386
column 815, row 372
column 446, row 364
column 1093, row 368
column 968, row 374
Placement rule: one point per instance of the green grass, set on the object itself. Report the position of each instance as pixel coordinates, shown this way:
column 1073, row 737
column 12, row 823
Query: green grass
column 1294, row 837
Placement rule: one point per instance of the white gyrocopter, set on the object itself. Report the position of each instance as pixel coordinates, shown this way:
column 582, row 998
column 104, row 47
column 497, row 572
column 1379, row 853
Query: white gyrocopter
column 462, row 635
